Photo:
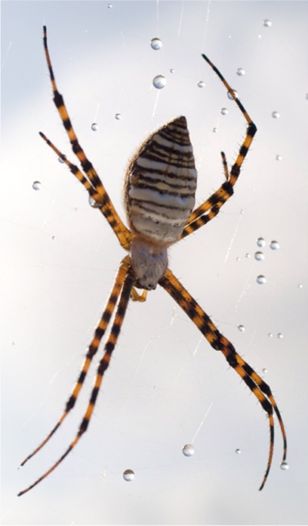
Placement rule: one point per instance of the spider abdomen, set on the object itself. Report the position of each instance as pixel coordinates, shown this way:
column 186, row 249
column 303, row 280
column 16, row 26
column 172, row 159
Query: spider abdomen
column 161, row 184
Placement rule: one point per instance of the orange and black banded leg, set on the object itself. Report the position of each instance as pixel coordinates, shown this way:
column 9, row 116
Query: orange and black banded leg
column 102, row 367
column 101, row 196
column 226, row 190
column 92, row 350
column 256, row 384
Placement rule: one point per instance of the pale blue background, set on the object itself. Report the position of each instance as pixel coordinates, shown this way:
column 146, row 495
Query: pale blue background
column 165, row 387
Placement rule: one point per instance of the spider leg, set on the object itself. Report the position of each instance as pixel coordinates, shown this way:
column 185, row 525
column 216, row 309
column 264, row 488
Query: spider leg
column 225, row 165
column 226, row 189
column 93, row 347
column 103, row 365
column 101, row 195
column 256, row 384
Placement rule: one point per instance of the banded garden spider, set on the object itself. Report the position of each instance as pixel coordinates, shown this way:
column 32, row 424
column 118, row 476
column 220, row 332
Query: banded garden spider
column 160, row 194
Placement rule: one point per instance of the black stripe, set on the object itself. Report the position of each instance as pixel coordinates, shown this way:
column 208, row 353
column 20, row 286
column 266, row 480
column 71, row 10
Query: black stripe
column 158, row 171
column 138, row 201
column 154, row 180
column 178, row 164
column 173, row 137
column 163, row 192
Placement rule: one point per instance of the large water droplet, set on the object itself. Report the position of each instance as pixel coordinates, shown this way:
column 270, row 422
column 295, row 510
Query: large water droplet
column 156, row 43
column 261, row 242
column 267, row 22
column 240, row 72
column 224, row 111
column 261, row 279
column 230, row 95
column 94, row 126
column 201, row 84
column 259, row 256
column 284, row 465
column 274, row 245
column 275, row 114
column 128, row 475
column 36, row 185
column 188, row 450
column 159, row 81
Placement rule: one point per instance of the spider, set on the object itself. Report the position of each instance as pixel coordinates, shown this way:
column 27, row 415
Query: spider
column 160, row 187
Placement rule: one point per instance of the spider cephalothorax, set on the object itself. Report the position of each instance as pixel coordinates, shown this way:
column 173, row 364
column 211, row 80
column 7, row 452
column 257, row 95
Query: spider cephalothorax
column 160, row 195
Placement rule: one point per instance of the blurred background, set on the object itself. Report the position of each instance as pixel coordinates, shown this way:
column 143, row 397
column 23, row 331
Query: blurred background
column 166, row 388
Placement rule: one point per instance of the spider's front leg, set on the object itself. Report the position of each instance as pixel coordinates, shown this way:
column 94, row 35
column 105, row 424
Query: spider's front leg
column 210, row 208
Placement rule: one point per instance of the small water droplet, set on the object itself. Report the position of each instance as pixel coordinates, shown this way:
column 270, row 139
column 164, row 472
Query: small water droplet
column 201, row 84
column 36, row 185
column 275, row 114
column 261, row 242
column 118, row 116
column 270, row 335
column 230, row 95
column 128, row 475
column 109, row 6
column 247, row 255
column 261, row 279
column 259, row 35
column 267, row 22
column 240, row 72
column 259, row 256
column 238, row 258
column 280, row 335
column 264, row 370
column 60, row 160
column 300, row 286
column 241, row 328
column 278, row 157
column 238, row 451
column 214, row 130
column 188, row 450
column 159, row 81
column 171, row 70
column 274, row 245
column 284, row 465
column 306, row 96
column 94, row 126
column 224, row 111
column 93, row 203
column 156, row 43
column 53, row 237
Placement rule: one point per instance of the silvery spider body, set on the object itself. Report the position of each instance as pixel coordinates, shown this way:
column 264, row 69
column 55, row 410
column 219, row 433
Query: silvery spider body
column 160, row 191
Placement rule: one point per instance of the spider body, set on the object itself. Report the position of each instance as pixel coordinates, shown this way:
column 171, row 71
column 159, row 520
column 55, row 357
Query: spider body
column 159, row 194
column 160, row 187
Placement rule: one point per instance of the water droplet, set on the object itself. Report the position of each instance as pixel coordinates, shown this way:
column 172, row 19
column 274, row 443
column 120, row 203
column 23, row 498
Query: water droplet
column 156, row 43
column 159, row 81
column 264, row 370
column 247, row 255
column 171, row 70
column 93, row 203
column 94, row 126
column 278, row 157
column 109, row 6
column 261, row 279
column 201, row 84
column 280, row 335
column 128, row 475
column 259, row 35
column 188, row 450
column 267, row 22
column 259, row 256
column 36, row 185
column 53, row 237
column 240, row 72
column 230, row 95
column 118, row 116
column 214, row 130
column 284, row 465
column 306, row 96
column 241, row 328
column 274, row 245
column 224, row 111
column 238, row 451
column 270, row 334
column 261, row 242
column 300, row 286
column 60, row 160
column 275, row 114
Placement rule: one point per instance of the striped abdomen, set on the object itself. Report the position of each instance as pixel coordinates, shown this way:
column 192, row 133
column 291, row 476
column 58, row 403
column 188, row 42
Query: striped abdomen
column 161, row 183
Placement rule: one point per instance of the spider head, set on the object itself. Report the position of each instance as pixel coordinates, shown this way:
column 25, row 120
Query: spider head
column 149, row 262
